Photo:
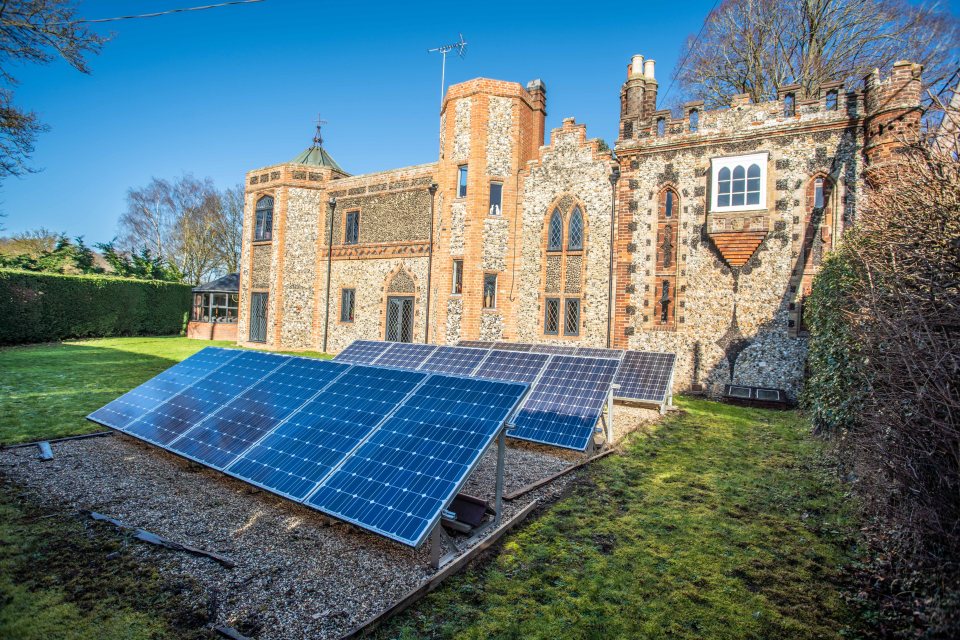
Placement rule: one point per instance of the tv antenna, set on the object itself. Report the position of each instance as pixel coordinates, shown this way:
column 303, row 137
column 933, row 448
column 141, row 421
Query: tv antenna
column 459, row 47
column 317, row 138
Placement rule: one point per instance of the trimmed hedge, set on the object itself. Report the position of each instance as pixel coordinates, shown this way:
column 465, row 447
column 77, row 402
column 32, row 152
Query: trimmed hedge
column 43, row 307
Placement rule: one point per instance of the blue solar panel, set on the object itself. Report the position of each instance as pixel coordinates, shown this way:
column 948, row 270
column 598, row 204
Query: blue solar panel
column 512, row 365
column 138, row 401
column 512, row 346
column 224, row 435
column 594, row 352
column 554, row 348
column 458, row 361
column 405, row 355
column 399, row 480
column 566, row 403
column 362, row 351
column 645, row 376
column 173, row 418
column 476, row 344
column 301, row 451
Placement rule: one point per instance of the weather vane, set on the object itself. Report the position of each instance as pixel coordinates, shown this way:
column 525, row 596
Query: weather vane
column 460, row 47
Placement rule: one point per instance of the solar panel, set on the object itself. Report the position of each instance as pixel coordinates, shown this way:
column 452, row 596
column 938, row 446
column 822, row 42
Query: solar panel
column 512, row 365
column 645, row 376
column 136, row 402
column 401, row 478
column 405, row 355
column 295, row 426
column 553, row 348
column 459, row 361
column 594, row 352
column 225, row 434
column 308, row 445
column 512, row 346
column 476, row 344
column 566, row 403
column 363, row 351
column 172, row 418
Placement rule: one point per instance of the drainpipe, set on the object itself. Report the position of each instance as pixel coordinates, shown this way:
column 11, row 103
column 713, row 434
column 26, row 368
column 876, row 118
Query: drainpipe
column 426, row 329
column 614, row 177
column 326, row 314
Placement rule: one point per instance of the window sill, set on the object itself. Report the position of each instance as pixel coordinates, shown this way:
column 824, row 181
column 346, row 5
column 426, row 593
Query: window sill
column 261, row 242
column 489, row 310
column 758, row 207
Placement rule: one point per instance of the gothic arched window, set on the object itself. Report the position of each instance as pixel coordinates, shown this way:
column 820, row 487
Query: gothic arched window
column 263, row 229
column 564, row 262
column 575, row 231
column 555, row 236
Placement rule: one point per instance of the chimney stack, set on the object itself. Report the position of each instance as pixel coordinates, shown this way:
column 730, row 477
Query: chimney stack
column 648, row 69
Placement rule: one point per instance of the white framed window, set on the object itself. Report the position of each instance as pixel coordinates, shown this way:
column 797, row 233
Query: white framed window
column 739, row 183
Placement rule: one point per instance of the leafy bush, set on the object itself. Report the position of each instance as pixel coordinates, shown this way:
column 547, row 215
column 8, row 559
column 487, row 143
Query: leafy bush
column 40, row 307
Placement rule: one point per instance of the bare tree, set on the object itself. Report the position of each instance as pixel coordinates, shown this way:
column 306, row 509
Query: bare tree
column 194, row 249
column 188, row 223
column 755, row 46
column 34, row 31
column 229, row 229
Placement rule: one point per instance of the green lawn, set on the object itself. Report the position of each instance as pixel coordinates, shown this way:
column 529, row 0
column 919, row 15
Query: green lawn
column 724, row 522
column 47, row 390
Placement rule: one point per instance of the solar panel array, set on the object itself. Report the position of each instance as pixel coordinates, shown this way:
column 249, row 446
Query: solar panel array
column 643, row 376
column 572, row 389
column 386, row 449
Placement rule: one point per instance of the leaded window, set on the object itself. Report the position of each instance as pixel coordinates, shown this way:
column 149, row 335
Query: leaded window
column 351, row 234
column 818, row 193
column 575, row 231
column 555, row 233
column 348, row 299
column 263, row 229
column 668, row 204
column 571, row 317
column 551, row 316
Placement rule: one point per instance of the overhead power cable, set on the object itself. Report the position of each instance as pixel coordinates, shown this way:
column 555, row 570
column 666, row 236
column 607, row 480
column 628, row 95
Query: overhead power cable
column 158, row 14
column 689, row 51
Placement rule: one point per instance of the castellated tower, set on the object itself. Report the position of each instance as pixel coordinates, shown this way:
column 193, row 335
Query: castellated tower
column 489, row 129
column 892, row 111
column 638, row 96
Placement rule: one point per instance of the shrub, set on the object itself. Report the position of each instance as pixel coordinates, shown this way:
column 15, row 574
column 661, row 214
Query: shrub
column 40, row 307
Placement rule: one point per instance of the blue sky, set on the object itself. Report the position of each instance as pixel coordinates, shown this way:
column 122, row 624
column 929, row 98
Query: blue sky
column 219, row 92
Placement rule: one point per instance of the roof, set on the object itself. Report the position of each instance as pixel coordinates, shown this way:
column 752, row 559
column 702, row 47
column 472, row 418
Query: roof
column 229, row 283
column 317, row 156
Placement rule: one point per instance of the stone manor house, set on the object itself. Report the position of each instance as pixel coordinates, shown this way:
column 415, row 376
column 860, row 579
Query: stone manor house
column 697, row 235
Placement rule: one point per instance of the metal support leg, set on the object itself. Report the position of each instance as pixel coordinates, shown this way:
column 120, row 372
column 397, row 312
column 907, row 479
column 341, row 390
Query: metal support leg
column 436, row 546
column 501, row 452
column 610, row 419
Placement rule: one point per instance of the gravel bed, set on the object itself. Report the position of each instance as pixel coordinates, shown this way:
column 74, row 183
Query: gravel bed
column 299, row 573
